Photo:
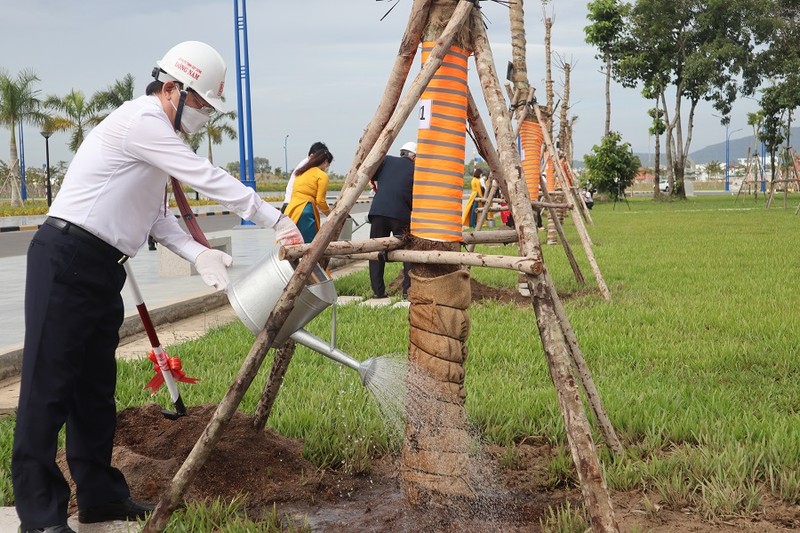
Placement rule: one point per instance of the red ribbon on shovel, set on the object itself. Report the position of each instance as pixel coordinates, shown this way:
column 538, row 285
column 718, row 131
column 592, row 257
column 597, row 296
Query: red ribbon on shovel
column 175, row 368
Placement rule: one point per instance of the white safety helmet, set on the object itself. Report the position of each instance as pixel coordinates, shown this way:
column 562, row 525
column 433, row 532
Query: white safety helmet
column 409, row 147
column 198, row 67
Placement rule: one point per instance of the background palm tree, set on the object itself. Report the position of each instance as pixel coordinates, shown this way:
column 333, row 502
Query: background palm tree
column 115, row 95
column 19, row 103
column 714, row 169
column 78, row 115
column 214, row 131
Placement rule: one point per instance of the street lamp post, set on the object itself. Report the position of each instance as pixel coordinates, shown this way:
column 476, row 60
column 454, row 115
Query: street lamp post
column 728, row 155
column 46, row 134
column 727, row 122
column 285, row 156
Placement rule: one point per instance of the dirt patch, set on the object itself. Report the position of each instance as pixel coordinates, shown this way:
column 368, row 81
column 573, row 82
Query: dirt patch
column 266, row 468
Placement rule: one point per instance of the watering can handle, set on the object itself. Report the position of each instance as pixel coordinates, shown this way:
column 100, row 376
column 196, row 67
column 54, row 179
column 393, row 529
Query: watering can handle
column 333, row 326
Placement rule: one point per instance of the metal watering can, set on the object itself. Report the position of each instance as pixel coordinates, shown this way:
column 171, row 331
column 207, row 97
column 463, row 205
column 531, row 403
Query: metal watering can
column 253, row 297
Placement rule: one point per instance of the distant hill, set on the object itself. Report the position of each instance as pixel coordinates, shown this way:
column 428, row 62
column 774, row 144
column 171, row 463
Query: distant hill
column 716, row 152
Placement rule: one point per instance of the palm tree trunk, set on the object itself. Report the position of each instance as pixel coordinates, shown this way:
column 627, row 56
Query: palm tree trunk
column 436, row 447
column 608, row 92
column 16, row 194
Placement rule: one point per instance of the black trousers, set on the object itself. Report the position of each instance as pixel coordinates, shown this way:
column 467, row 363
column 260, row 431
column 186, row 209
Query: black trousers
column 73, row 312
column 381, row 226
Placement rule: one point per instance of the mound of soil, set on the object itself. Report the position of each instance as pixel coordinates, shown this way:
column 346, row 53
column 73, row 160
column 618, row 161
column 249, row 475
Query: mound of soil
column 265, row 468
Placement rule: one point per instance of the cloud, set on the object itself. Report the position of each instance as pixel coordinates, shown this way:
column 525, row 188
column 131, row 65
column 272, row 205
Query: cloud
column 318, row 68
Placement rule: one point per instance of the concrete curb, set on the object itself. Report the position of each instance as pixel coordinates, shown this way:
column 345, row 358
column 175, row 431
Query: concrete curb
column 11, row 356
column 34, row 222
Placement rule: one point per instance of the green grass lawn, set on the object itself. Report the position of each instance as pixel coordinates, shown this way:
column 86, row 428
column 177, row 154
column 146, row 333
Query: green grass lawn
column 696, row 358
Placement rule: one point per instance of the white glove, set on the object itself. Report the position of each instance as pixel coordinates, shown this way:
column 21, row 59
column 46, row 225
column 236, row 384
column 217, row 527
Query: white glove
column 286, row 232
column 212, row 265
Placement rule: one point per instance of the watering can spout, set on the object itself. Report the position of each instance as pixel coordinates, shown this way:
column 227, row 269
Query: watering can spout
column 309, row 340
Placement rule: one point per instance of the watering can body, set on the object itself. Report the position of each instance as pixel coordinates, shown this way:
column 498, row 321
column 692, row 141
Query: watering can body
column 253, row 296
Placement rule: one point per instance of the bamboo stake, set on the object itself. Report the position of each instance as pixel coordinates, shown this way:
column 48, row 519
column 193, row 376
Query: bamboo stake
column 554, row 205
column 585, row 375
column 499, row 236
column 573, row 263
column 484, row 141
column 340, row 248
column 593, row 486
column 283, row 356
column 561, row 177
column 337, row 248
column 526, row 265
column 348, row 196
column 576, row 194
column 547, row 204
column 576, row 218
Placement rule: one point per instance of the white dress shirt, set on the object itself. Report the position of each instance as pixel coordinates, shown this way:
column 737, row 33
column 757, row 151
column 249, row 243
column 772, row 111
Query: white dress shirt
column 115, row 185
column 290, row 185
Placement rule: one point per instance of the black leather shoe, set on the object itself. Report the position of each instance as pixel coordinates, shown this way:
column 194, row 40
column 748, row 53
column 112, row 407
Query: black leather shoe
column 126, row 509
column 62, row 528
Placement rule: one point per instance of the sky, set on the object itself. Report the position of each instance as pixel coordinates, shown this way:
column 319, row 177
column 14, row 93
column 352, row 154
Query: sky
column 318, row 68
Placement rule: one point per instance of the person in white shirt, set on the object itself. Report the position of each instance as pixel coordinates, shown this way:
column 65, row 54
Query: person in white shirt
column 316, row 147
column 113, row 196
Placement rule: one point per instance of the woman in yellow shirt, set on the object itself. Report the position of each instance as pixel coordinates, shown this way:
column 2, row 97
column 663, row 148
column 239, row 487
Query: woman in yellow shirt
column 308, row 194
column 470, row 216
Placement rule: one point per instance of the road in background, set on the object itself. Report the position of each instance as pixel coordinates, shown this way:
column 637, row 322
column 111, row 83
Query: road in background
column 13, row 243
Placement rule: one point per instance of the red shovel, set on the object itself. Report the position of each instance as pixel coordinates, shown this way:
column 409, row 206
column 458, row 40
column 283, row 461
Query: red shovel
column 167, row 369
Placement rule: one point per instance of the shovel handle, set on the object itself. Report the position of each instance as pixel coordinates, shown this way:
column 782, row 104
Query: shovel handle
column 161, row 356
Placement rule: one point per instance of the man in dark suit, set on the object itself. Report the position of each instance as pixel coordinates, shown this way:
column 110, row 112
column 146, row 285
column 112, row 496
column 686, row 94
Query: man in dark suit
column 390, row 213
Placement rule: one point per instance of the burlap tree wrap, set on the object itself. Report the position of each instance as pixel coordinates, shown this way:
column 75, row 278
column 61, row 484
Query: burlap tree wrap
column 436, row 451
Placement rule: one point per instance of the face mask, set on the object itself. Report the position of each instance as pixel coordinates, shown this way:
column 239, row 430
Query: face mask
column 192, row 120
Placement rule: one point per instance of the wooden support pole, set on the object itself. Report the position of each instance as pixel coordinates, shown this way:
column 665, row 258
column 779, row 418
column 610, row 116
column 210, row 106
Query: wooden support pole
column 338, row 248
column 547, row 204
column 341, row 248
column 484, row 142
column 554, row 205
column 500, row 236
column 525, row 265
column 562, row 178
column 593, row 487
column 584, row 374
column 283, row 356
column 350, row 192
column 576, row 217
column 573, row 263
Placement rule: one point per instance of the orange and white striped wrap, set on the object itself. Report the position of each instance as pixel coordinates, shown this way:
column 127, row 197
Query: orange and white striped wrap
column 550, row 174
column 439, row 166
column 531, row 140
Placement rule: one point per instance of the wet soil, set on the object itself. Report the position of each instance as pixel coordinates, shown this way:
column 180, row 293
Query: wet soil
column 266, row 468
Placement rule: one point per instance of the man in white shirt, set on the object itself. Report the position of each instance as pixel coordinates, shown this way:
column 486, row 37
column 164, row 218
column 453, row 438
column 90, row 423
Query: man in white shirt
column 287, row 197
column 112, row 198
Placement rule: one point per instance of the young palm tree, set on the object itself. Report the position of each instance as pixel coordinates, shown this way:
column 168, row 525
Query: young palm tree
column 115, row 95
column 78, row 115
column 19, row 103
